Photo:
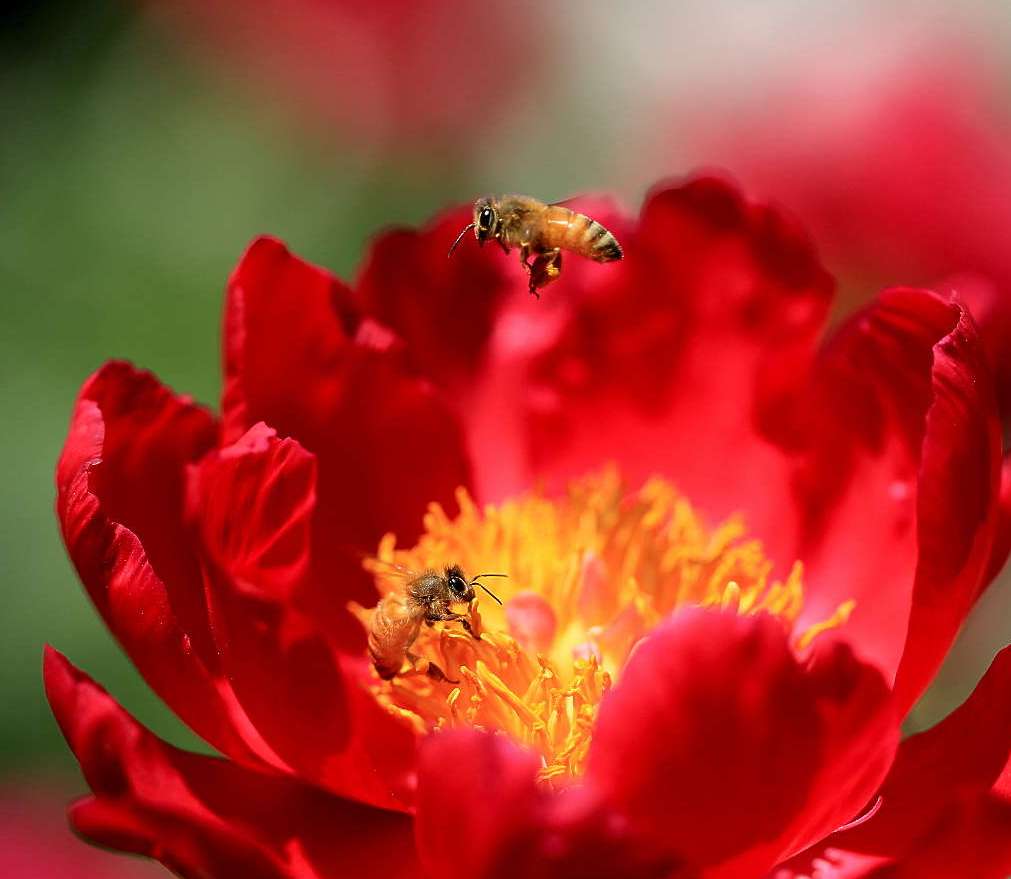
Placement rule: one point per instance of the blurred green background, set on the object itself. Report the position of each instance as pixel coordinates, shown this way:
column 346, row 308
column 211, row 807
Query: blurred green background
column 134, row 168
column 133, row 175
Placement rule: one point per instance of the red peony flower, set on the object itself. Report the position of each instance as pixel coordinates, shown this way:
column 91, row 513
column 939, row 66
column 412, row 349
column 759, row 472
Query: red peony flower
column 704, row 680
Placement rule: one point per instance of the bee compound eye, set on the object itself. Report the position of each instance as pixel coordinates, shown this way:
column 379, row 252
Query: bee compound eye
column 485, row 218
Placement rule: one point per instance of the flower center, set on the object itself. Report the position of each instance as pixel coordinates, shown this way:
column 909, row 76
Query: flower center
column 588, row 575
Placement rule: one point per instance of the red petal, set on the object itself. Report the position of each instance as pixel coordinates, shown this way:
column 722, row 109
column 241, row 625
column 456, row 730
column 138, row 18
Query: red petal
column 448, row 310
column 991, row 311
column 299, row 358
column 946, row 805
column 254, row 501
column 202, row 816
column 132, row 438
column 119, row 500
column 859, row 736
column 714, row 714
column 474, row 792
column 958, row 504
column 901, row 475
column 1002, row 537
column 720, row 298
column 442, row 308
column 481, row 815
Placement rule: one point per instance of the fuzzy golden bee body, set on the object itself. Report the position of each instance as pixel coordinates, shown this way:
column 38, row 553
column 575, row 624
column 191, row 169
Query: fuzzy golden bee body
column 542, row 231
column 427, row 598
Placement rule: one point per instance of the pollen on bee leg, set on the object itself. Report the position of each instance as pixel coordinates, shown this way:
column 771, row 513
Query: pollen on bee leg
column 589, row 575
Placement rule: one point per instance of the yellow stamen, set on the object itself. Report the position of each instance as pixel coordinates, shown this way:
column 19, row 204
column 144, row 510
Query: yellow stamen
column 841, row 615
column 589, row 575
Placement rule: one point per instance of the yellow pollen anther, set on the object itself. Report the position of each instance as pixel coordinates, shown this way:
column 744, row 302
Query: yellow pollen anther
column 589, row 575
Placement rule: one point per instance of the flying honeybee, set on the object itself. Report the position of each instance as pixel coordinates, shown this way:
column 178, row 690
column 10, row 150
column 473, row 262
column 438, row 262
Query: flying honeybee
column 427, row 598
column 542, row 230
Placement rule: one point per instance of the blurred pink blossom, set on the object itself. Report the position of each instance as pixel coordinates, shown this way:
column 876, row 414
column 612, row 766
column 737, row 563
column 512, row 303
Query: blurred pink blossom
column 902, row 170
column 34, row 841
column 382, row 74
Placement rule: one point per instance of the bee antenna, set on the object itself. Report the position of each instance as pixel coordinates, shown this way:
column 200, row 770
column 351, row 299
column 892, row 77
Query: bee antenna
column 492, row 594
column 466, row 229
column 485, row 588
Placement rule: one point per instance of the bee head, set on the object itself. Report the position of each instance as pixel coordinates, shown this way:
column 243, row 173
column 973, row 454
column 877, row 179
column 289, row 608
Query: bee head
column 484, row 224
column 460, row 588
column 485, row 219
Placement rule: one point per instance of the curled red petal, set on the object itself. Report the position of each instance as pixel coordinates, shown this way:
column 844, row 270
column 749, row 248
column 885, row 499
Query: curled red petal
column 958, row 504
column 714, row 714
column 946, row 804
column 253, row 503
column 899, row 456
column 991, row 311
column 202, row 816
column 133, row 438
column 119, row 500
column 299, row 357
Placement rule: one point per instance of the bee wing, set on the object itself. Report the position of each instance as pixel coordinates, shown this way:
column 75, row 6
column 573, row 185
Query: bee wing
column 391, row 570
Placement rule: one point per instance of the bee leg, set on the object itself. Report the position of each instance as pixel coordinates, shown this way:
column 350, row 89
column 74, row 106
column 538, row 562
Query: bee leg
column 418, row 664
column 460, row 618
column 545, row 269
column 447, row 617
column 437, row 674
column 533, row 271
column 469, row 629
column 427, row 667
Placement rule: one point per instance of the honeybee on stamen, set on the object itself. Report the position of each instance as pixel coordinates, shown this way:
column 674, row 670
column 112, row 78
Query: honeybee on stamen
column 427, row 597
column 542, row 231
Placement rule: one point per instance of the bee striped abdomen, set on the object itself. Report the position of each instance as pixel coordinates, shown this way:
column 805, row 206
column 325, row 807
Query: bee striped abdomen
column 578, row 233
column 391, row 633
column 598, row 243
